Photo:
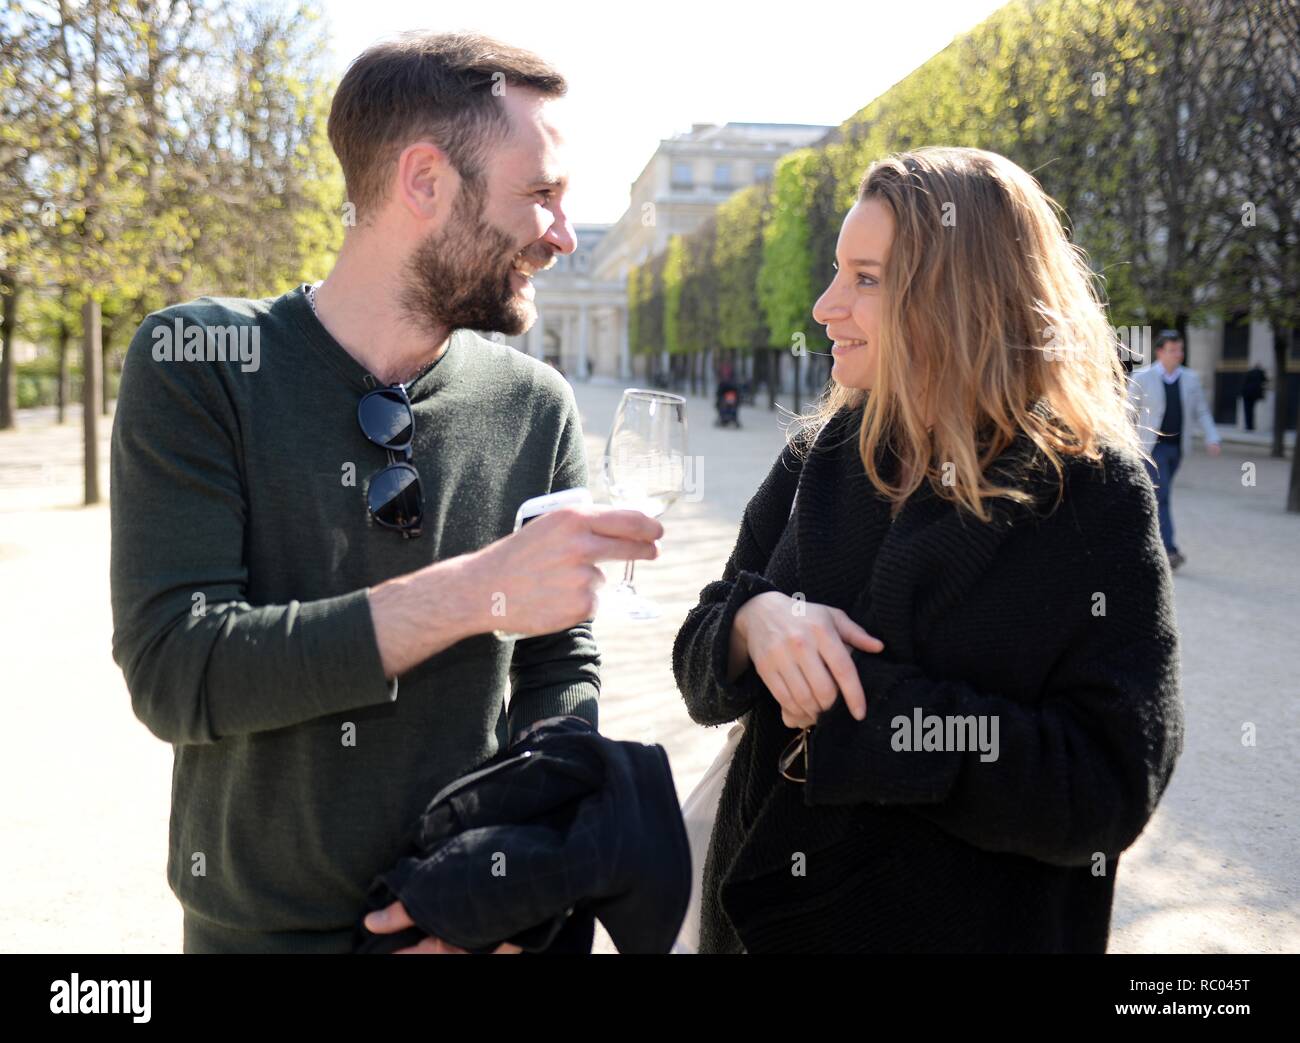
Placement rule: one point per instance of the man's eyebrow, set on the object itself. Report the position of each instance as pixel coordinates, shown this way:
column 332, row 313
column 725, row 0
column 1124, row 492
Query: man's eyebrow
column 549, row 180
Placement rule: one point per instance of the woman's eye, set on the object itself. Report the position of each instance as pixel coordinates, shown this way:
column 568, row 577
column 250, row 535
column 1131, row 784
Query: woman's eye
column 869, row 280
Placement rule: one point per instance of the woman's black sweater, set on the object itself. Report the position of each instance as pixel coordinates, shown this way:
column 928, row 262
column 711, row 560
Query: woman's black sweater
column 1053, row 623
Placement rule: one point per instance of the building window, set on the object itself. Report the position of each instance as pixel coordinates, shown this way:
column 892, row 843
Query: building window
column 763, row 172
column 1236, row 337
column 722, row 176
column 683, row 176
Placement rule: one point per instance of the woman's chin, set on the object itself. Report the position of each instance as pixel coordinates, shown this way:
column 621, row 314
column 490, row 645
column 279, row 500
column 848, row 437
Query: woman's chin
column 849, row 377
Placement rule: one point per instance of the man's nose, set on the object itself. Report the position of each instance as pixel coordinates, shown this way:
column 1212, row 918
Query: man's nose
column 561, row 234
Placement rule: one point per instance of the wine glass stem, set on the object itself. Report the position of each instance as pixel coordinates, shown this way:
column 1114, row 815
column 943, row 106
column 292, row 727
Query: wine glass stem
column 627, row 578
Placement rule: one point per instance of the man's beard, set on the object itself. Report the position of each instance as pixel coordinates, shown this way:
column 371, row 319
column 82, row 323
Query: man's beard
column 460, row 277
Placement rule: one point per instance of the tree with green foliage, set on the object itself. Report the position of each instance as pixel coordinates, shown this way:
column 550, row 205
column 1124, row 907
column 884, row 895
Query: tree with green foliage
column 737, row 257
column 674, row 272
column 152, row 151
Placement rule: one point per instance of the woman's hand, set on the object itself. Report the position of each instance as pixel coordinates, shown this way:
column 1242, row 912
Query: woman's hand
column 801, row 651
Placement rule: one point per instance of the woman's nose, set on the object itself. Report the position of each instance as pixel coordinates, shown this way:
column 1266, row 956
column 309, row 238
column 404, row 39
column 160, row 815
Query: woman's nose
column 828, row 308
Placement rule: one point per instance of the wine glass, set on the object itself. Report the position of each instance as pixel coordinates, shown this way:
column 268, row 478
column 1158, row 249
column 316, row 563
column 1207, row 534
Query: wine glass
column 645, row 470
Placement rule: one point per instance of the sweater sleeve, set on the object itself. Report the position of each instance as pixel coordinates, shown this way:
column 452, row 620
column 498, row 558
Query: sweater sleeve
column 702, row 648
column 558, row 674
column 200, row 661
column 1079, row 773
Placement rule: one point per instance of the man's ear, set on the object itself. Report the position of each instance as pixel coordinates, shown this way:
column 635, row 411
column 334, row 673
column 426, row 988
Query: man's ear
column 425, row 181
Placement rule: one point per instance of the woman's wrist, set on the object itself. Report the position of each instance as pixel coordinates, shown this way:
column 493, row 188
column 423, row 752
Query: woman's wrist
column 739, row 651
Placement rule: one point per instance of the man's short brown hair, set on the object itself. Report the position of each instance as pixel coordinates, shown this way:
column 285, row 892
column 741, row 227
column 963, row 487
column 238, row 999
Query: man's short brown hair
column 445, row 87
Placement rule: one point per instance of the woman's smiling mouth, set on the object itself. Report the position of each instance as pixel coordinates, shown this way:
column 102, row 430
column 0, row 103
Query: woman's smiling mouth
column 843, row 347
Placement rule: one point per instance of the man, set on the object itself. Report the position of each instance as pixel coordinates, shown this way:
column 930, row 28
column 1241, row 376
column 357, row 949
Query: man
column 1170, row 402
column 1252, row 390
column 284, row 555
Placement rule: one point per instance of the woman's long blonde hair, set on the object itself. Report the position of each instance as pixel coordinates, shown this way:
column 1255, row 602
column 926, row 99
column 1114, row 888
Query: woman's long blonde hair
column 993, row 318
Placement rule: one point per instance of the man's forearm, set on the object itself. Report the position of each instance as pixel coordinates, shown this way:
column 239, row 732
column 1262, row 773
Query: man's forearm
column 553, row 675
column 421, row 613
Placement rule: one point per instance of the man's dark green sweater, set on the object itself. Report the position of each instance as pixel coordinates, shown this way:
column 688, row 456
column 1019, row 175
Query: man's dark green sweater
column 241, row 557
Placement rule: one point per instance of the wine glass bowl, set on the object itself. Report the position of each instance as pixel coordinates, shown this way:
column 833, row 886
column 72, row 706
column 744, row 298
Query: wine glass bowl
column 644, row 467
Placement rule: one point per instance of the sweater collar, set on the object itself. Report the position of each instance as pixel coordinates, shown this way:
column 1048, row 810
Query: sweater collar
column 344, row 365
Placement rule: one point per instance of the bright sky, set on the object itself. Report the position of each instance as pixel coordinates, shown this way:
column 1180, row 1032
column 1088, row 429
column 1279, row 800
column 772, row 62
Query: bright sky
column 641, row 73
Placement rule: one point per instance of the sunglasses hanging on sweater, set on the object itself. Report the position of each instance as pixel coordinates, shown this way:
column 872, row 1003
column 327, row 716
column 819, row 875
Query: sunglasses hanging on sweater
column 393, row 497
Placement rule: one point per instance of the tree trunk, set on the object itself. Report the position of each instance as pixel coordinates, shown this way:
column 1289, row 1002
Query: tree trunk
column 1279, row 425
column 106, row 354
column 65, row 335
column 91, row 395
column 8, row 378
column 1293, row 493
column 1281, row 349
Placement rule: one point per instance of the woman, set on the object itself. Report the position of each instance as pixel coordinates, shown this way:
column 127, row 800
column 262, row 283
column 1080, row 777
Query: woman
column 956, row 653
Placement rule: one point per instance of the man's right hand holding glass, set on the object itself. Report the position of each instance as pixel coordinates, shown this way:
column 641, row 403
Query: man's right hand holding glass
column 540, row 580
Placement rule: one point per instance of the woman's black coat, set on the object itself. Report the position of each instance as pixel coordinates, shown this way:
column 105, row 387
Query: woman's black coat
column 1057, row 624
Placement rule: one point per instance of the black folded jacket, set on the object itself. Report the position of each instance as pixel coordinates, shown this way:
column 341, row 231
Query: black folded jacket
column 561, row 828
